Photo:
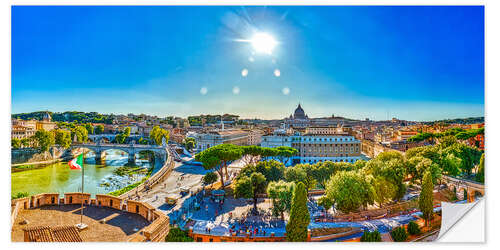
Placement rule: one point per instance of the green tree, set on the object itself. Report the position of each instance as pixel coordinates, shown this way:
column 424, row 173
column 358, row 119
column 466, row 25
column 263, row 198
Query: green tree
column 281, row 194
column 296, row 229
column 371, row 236
column 447, row 141
column 25, row 142
column 384, row 190
column 322, row 172
column 80, row 133
column 413, row 228
column 349, row 190
column 62, row 138
column 157, row 134
column 209, row 178
column 250, row 187
column 480, row 170
column 426, row 199
column 99, row 129
column 419, row 165
column 284, row 153
column 44, row 140
column 122, row 137
column 272, row 170
column 189, row 143
column 301, row 173
column 325, row 202
column 218, row 157
column 469, row 156
column 15, row 143
column 177, row 235
column 392, row 168
column 451, row 164
column 399, row 234
column 90, row 128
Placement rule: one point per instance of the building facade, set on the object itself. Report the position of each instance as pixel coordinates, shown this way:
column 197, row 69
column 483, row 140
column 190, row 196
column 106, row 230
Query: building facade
column 217, row 137
column 318, row 145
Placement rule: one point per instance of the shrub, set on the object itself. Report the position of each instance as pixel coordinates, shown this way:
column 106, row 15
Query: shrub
column 177, row 235
column 399, row 234
column 19, row 195
column 209, row 178
column 371, row 236
column 413, row 228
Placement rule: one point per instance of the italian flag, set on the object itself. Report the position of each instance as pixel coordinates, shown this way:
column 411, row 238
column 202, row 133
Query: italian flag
column 76, row 163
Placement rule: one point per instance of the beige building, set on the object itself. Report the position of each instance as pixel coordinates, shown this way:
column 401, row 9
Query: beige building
column 321, row 144
column 255, row 137
column 21, row 132
column 403, row 135
column 217, row 137
column 26, row 128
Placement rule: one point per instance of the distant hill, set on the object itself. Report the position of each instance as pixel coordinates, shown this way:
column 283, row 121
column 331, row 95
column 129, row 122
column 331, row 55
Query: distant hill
column 470, row 120
column 68, row 116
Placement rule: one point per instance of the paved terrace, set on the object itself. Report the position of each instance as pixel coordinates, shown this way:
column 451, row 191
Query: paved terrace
column 119, row 226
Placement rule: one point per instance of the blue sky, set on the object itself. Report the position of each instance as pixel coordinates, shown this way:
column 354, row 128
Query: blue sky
column 415, row 63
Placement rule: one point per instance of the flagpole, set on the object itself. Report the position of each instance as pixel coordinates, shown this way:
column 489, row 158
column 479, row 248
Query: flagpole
column 81, row 212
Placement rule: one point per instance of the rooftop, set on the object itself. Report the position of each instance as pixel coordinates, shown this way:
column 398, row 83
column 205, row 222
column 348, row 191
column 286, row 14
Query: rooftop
column 52, row 223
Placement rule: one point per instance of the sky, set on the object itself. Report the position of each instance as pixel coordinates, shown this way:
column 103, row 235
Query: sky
column 413, row 62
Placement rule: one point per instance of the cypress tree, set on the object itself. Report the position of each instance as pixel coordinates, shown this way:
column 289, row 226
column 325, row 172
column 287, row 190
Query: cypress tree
column 296, row 229
column 480, row 170
column 425, row 201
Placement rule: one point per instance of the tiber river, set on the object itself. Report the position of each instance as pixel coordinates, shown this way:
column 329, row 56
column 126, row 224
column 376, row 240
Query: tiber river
column 59, row 178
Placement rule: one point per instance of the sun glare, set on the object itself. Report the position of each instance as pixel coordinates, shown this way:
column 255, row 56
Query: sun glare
column 263, row 43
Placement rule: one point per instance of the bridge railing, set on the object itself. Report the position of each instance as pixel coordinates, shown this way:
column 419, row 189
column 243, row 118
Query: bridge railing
column 117, row 145
column 467, row 181
column 153, row 180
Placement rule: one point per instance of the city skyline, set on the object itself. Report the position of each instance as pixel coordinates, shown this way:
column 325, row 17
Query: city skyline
column 355, row 62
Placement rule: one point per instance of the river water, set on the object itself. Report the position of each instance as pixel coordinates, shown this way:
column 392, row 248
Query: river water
column 59, row 178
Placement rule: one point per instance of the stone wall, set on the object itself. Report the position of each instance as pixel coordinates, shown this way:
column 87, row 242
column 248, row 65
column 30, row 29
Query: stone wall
column 45, row 199
column 141, row 208
column 76, row 198
column 108, row 201
column 28, row 155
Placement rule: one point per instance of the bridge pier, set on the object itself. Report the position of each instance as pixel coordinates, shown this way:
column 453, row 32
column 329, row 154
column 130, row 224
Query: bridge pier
column 131, row 158
column 100, row 158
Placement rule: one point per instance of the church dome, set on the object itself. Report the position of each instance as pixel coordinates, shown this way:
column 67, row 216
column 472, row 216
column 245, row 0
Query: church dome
column 299, row 113
column 46, row 117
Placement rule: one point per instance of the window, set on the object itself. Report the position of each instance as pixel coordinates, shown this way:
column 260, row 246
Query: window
column 110, row 203
column 137, row 208
column 70, row 199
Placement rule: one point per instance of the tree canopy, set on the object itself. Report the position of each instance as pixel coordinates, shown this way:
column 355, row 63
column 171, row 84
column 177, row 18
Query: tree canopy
column 62, row 138
column 349, row 190
column 281, row 194
column 250, row 187
column 157, row 134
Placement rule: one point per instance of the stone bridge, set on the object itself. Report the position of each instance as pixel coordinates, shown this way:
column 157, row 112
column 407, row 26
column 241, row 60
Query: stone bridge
column 160, row 152
column 474, row 189
column 102, row 138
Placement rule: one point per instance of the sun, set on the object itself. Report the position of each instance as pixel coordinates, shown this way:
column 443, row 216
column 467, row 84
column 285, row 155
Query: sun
column 263, row 43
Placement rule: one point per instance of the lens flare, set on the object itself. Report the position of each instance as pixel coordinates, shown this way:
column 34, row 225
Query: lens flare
column 263, row 43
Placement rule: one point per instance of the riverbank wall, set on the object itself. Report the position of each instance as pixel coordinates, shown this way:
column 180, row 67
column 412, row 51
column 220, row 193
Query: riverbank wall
column 34, row 156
